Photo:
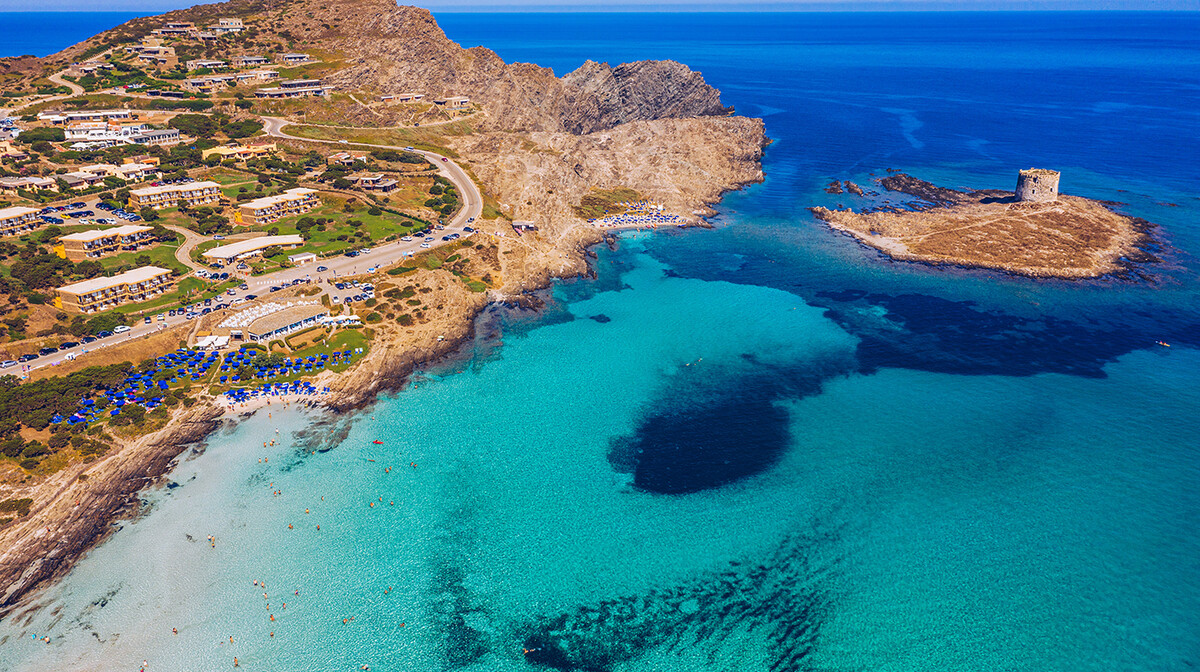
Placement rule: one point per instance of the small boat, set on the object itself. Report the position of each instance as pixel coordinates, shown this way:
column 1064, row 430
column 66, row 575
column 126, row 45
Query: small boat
column 377, row 442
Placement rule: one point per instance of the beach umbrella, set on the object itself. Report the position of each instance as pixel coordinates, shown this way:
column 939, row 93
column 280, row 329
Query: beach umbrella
column 115, row 411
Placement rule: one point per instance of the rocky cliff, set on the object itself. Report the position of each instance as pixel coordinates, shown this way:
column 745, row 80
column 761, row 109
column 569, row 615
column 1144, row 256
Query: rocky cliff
column 392, row 49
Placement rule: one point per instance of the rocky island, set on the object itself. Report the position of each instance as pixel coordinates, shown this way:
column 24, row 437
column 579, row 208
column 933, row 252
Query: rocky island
column 1032, row 231
column 365, row 111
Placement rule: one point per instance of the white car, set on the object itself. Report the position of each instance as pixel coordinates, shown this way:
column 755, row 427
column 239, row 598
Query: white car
column 120, row 329
column 424, row 244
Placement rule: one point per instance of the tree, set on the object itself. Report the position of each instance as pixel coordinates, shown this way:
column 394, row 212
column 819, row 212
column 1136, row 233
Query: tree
column 142, row 260
column 241, row 129
column 148, row 213
column 49, row 134
column 198, row 125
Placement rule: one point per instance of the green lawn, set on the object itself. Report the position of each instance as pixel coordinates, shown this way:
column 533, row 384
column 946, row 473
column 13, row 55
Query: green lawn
column 225, row 177
column 161, row 255
column 325, row 243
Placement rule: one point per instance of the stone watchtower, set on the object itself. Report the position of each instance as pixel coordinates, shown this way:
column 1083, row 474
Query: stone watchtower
column 1037, row 185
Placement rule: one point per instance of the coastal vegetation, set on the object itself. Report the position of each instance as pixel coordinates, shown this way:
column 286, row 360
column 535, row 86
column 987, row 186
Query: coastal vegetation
column 432, row 139
column 603, row 202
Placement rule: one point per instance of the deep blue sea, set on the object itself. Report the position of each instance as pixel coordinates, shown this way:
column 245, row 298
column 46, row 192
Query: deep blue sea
column 36, row 33
column 757, row 447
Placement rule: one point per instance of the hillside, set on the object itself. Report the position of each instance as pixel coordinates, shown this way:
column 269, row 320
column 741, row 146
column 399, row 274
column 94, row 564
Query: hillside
column 387, row 49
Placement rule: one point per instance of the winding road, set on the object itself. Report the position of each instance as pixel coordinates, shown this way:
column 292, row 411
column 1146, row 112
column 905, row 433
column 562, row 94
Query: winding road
column 471, row 197
column 183, row 253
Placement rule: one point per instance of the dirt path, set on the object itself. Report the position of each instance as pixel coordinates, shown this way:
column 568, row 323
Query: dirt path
column 57, row 78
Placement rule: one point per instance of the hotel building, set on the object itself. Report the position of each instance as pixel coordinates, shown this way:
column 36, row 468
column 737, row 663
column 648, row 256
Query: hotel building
column 270, row 209
column 249, row 248
column 193, row 193
column 17, row 219
column 100, row 294
column 103, row 242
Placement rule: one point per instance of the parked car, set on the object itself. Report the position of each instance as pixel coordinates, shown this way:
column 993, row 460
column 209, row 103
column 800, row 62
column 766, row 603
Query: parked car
column 243, row 286
column 170, row 313
column 251, row 297
column 424, row 244
column 47, row 351
column 162, row 317
column 121, row 329
column 218, row 237
column 7, row 363
column 206, row 311
column 322, row 269
column 189, row 316
column 87, row 339
column 352, row 254
column 68, row 344
column 78, row 204
column 468, row 229
column 147, row 320
column 27, row 358
column 407, row 239
column 103, row 334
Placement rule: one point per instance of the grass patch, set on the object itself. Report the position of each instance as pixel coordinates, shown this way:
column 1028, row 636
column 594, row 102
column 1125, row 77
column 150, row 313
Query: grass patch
column 161, row 255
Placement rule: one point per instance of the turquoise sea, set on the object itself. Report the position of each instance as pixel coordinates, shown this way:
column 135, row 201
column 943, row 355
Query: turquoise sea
column 758, row 447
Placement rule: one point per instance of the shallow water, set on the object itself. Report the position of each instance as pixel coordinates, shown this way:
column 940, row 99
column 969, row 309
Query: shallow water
column 755, row 447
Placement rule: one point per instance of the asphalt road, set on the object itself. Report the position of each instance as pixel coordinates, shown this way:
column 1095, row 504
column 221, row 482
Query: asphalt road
column 472, row 199
column 337, row 267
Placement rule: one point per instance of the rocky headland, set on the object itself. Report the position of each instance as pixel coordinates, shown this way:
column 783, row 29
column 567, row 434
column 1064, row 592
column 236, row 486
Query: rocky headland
column 1070, row 237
